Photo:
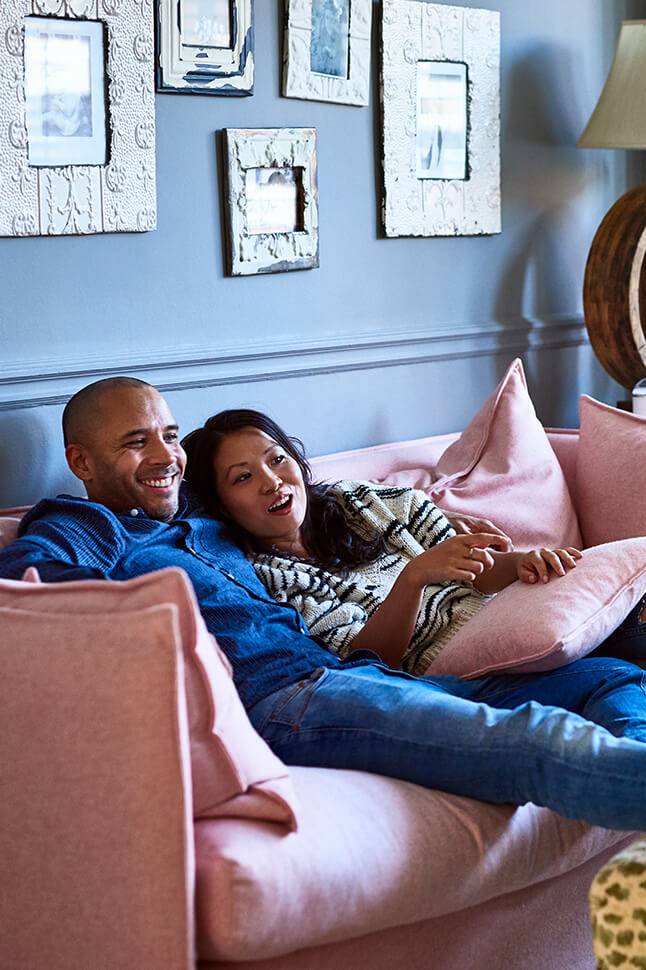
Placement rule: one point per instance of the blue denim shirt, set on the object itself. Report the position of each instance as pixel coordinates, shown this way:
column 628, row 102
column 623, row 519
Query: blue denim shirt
column 267, row 643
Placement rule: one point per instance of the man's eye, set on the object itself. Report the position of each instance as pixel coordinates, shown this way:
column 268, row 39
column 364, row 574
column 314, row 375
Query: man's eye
column 171, row 437
column 136, row 443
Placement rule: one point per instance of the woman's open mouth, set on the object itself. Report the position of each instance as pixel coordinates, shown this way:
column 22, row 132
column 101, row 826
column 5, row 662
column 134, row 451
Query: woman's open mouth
column 282, row 506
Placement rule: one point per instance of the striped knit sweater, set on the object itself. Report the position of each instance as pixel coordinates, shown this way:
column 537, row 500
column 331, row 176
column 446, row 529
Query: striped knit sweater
column 335, row 607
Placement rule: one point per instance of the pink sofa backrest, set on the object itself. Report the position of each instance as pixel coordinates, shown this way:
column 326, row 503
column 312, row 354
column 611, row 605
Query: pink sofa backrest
column 379, row 461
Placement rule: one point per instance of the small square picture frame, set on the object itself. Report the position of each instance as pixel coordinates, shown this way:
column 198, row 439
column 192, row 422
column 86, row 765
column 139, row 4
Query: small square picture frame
column 326, row 50
column 271, row 204
column 205, row 47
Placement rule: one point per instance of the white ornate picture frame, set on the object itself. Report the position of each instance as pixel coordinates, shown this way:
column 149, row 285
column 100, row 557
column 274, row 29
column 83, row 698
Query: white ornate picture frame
column 417, row 204
column 350, row 82
column 212, row 53
column 272, row 200
column 119, row 196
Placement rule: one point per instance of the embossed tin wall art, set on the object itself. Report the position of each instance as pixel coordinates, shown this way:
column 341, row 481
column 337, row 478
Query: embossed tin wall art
column 327, row 50
column 441, row 119
column 69, row 164
column 205, row 46
column 272, row 200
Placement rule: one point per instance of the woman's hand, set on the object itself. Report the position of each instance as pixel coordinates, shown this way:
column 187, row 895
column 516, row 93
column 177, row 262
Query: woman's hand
column 470, row 524
column 459, row 559
column 535, row 566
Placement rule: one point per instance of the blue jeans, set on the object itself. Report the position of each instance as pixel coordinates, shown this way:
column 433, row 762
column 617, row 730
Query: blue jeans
column 629, row 639
column 571, row 739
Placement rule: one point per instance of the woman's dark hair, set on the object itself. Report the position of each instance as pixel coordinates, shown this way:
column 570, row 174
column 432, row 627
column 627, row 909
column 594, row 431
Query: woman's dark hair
column 325, row 530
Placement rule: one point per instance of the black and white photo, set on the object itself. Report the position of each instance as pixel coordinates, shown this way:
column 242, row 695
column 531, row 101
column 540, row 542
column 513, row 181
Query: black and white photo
column 65, row 92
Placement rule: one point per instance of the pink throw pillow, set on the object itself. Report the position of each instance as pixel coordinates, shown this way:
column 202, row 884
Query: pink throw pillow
column 527, row 628
column 8, row 529
column 610, row 463
column 503, row 468
column 234, row 771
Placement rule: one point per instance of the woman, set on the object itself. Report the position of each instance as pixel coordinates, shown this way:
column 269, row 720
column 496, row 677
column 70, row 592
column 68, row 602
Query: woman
column 367, row 566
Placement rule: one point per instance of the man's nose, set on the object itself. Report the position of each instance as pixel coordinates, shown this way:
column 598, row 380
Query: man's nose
column 162, row 452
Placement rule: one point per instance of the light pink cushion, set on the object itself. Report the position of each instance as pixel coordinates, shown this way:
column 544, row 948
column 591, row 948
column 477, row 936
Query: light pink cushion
column 529, row 628
column 96, row 868
column 378, row 461
column 370, row 852
column 8, row 529
column 234, row 771
column 611, row 462
column 503, row 468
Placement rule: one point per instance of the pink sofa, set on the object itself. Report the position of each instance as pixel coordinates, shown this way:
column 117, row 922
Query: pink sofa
column 103, row 867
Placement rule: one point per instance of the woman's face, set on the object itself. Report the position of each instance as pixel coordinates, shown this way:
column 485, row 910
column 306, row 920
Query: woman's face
column 261, row 487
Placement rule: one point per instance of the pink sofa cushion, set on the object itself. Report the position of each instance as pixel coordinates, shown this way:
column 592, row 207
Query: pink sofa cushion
column 8, row 529
column 610, row 485
column 96, row 793
column 502, row 467
column 528, row 628
column 234, row 771
column 361, row 859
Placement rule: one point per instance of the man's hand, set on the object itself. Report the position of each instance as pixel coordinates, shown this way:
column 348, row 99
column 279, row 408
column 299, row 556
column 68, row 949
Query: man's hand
column 471, row 524
column 535, row 566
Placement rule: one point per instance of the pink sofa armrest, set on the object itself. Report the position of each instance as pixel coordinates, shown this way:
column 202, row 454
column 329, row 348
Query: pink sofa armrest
column 96, row 836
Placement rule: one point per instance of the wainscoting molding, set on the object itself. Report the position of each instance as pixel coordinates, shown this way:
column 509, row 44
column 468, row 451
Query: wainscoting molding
column 53, row 380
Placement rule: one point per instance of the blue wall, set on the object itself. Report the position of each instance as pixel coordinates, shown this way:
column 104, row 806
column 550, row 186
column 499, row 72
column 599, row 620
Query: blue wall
column 388, row 338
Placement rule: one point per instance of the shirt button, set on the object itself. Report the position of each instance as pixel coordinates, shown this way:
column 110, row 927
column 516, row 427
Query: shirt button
column 134, row 512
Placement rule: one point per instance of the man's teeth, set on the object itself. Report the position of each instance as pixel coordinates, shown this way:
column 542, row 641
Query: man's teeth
column 281, row 504
column 158, row 482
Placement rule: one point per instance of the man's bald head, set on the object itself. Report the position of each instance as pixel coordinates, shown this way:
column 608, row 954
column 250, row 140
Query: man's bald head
column 83, row 411
column 122, row 442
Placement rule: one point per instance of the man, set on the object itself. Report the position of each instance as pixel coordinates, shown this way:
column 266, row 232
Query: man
column 502, row 739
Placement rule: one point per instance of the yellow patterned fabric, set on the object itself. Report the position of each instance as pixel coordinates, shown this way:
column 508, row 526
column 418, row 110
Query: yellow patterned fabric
column 618, row 910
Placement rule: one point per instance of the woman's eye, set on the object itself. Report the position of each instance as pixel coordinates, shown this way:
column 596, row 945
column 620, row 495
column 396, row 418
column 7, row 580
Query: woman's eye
column 241, row 478
column 278, row 459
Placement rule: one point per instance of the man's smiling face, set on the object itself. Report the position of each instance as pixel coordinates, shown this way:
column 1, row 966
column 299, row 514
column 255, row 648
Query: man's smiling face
column 131, row 456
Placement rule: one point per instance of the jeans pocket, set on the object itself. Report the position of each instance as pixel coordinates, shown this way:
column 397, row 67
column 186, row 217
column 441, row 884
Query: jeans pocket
column 287, row 706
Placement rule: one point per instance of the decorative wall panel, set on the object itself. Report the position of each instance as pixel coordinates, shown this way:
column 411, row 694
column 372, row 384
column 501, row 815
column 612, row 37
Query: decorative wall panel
column 118, row 196
column 413, row 34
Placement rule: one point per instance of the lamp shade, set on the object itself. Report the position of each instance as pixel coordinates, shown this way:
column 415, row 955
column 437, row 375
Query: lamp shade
column 619, row 119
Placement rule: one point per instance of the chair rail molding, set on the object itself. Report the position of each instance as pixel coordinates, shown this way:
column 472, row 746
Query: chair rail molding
column 52, row 381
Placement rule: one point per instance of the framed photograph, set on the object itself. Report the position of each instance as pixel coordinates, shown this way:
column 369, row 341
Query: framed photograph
column 441, row 119
column 205, row 46
column 327, row 50
column 272, row 200
column 77, row 118
column 65, row 85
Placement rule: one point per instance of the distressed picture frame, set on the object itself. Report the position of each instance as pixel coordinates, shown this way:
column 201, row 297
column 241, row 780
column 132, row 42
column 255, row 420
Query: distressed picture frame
column 438, row 46
column 271, row 205
column 205, row 47
column 326, row 50
column 77, row 199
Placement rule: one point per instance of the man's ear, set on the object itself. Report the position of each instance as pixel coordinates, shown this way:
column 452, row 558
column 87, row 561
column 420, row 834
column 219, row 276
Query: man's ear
column 78, row 461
